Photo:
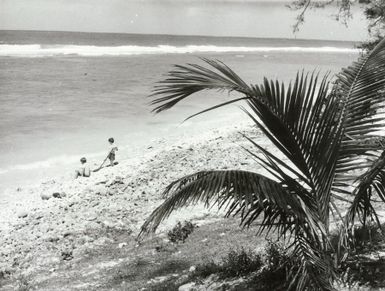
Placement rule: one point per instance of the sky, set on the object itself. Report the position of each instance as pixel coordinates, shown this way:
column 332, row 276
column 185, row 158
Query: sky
column 250, row 18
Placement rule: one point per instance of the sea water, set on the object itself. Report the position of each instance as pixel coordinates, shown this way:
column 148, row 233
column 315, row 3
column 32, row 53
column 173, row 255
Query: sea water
column 64, row 94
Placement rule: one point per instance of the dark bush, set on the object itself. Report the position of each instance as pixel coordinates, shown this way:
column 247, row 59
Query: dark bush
column 269, row 271
column 369, row 236
column 240, row 263
column 275, row 274
column 364, row 270
column 362, row 239
column 207, row 269
column 180, row 232
column 363, row 266
column 235, row 264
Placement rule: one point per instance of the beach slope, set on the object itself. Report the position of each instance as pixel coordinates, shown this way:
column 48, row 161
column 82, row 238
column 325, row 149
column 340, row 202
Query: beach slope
column 90, row 225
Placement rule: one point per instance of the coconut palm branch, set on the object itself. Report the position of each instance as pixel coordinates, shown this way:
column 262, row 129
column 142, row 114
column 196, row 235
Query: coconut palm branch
column 272, row 109
column 233, row 191
column 371, row 185
column 321, row 131
column 301, row 123
column 283, row 208
column 361, row 91
column 186, row 80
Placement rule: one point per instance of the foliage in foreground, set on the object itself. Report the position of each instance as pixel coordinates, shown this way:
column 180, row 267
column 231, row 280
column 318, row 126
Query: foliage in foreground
column 327, row 131
column 265, row 271
column 235, row 264
column 374, row 11
column 270, row 270
column 179, row 232
column 365, row 266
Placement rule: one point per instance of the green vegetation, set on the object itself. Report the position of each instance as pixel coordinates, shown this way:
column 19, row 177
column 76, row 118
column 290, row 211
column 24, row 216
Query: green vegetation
column 269, row 269
column 180, row 232
column 235, row 264
column 374, row 11
column 365, row 266
column 327, row 131
column 264, row 271
column 167, row 269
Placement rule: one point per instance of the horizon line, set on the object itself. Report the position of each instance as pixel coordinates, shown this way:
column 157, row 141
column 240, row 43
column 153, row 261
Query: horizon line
column 182, row 35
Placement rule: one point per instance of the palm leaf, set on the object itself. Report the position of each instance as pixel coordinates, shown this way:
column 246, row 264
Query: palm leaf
column 315, row 270
column 304, row 140
column 250, row 196
column 301, row 122
column 240, row 191
column 319, row 131
column 186, row 80
column 360, row 89
column 371, row 183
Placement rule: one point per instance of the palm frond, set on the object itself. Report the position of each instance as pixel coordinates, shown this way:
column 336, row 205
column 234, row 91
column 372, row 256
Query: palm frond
column 360, row 89
column 327, row 135
column 283, row 208
column 301, row 122
column 295, row 185
column 241, row 192
column 184, row 81
column 371, row 183
column 315, row 270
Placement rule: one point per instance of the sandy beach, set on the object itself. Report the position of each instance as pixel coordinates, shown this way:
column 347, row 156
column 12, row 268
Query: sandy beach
column 172, row 158
column 86, row 236
column 38, row 234
column 300, row 185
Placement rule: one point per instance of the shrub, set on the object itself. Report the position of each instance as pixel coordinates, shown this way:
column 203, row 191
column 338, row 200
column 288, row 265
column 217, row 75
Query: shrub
column 275, row 255
column 361, row 239
column 369, row 236
column 267, row 271
column 235, row 264
column 363, row 270
column 240, row 263
column 362, row 267
column 275, row 274
column 207, row 269
column 167, row 285
column 180, row 232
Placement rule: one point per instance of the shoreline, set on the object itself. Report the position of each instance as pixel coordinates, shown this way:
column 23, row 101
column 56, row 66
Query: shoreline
column 45, row 242
column 28, row 196
column 60, row 164
column 35, row 233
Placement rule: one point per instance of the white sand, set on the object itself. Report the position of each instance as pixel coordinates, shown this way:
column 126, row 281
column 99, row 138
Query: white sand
column 118, row 197
column 26, row 199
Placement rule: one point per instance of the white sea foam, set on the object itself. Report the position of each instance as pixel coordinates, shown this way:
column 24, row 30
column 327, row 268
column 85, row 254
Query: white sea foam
column 58, row 161
column 37, row 50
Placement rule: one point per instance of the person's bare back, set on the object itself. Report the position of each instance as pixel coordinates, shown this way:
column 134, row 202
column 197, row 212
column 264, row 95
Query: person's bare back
column 84, row 170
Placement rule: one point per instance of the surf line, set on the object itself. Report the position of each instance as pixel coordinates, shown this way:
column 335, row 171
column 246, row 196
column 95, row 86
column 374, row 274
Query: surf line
column 37, row 50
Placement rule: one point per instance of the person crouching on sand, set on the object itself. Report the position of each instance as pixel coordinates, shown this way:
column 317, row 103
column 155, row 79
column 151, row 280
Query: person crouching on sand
column 84, row 170
column 113, row 148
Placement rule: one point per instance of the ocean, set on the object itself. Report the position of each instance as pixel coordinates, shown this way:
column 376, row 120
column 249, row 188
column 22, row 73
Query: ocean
column 63, row 94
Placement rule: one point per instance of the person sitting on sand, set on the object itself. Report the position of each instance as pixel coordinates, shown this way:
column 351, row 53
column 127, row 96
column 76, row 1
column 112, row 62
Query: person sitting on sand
column 112, row 150
column 84, row 170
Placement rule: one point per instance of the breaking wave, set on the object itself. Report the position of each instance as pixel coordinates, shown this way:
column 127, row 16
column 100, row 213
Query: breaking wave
column 38, row 50
column 60, row 161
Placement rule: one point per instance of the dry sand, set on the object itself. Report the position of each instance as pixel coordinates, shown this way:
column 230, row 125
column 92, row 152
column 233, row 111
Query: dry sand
column 45, row 242
column 37, row 234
